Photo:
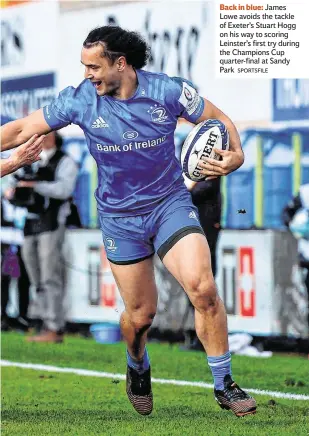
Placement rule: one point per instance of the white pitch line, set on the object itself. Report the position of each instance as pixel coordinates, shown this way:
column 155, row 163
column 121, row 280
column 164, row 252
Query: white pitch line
column 90, row 373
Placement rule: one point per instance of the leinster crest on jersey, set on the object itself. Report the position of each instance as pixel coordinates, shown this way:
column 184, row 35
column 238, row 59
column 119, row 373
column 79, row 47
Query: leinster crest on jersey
column 158, row 114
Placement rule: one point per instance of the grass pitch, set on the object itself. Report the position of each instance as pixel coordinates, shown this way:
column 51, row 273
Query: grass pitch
column 39, row 403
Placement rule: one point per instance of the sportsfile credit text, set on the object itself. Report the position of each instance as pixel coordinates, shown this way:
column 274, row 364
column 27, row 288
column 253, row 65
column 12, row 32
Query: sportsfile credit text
column 262, row 39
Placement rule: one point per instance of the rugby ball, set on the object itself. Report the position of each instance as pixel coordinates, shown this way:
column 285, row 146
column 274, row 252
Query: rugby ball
column 200, row 142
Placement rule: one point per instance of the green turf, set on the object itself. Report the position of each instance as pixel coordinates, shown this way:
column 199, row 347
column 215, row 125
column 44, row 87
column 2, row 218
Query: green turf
column 41, row 403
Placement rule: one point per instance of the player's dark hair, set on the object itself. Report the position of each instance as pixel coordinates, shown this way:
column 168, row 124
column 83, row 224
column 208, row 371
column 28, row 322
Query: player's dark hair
column 119, row 42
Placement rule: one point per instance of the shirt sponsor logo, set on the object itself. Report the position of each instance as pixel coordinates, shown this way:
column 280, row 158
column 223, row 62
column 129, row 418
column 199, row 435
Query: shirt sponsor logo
column 130, row 134
column 103, row 147
column 133, row 145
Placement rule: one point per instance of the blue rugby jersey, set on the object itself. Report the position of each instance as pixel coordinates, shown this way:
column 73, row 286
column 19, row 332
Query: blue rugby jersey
column 131, row 140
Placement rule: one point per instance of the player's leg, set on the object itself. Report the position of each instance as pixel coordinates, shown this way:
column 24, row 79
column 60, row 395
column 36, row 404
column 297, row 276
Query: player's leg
column 189, row 262
column 130, row 257
column 183, row 248
column 209, row 217
column 184, row 251
column 138, row 290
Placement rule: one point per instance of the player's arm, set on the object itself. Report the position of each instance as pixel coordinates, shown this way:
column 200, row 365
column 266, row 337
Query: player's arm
column 59, row 113
column 186, row 103
column 7, row 166
column 232, row 158
column 25, row 154
column 18, row 132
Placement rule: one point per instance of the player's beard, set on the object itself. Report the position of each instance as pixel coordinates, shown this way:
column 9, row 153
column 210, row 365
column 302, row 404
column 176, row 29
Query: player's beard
column 107, row 90
column 112, row 92
column 111, row 89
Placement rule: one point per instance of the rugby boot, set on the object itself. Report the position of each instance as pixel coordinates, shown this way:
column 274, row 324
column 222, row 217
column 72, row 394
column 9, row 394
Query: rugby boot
column 235, row 399
column 139, row 391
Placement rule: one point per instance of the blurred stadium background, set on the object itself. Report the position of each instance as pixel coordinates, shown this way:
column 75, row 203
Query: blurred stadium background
column 258, row 276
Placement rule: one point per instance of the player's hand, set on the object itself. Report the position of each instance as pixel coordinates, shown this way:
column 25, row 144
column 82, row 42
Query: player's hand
column 231, row 160
column 28, row 152
column 189, row 183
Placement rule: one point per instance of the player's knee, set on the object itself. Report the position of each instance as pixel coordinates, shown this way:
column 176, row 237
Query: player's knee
column 142, row 322
column 203, row 294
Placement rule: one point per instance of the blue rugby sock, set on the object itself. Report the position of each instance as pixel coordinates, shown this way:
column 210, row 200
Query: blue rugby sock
column 220, row 366
column 139, row 365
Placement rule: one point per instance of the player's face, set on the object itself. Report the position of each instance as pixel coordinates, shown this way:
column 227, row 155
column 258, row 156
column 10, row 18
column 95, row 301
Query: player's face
column 100, row 71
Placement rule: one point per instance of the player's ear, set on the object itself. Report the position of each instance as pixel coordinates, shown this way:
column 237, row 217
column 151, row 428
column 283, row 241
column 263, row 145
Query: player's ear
column 121, row 63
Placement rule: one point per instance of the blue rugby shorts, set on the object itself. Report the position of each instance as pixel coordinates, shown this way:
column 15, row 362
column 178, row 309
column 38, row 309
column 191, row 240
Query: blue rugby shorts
column 131, row 239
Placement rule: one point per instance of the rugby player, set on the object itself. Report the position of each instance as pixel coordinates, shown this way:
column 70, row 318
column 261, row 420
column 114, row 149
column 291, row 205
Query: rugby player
column 129, row 116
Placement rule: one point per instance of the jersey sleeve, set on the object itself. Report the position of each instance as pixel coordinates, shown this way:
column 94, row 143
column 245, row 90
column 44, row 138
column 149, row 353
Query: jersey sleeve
column 60, row 112
column 184, row 100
